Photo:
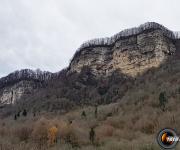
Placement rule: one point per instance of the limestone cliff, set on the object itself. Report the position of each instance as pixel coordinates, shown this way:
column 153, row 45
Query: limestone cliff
column 20, row 83
column 11, row 94
column 132, row 51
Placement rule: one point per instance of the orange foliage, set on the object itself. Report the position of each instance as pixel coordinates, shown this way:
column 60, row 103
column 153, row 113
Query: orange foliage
column 52, row 135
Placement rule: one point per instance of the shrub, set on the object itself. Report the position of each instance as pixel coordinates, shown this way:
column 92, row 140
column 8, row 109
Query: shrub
column 63, row 130
column 40, row 129
column 104, row 131
column 23, row 132
column 52, row 135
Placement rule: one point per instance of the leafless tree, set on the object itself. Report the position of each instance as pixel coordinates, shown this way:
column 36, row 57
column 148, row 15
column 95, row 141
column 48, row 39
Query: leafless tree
column 130, row 32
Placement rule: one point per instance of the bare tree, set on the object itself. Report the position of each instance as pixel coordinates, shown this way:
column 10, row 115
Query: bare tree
column 130, row 32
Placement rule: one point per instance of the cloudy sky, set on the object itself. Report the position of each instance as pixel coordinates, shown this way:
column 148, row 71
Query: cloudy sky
column 45, row 33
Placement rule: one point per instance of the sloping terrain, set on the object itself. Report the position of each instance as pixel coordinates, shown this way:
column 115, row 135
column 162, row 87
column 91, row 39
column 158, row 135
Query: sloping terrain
column 126, row 107
column 101, row 72
column 131, row 123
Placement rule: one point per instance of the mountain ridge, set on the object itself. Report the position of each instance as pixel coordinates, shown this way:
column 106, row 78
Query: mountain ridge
column 175, row 35
column 130, row 32
column 26, row 74
column 100, row 67
column 106, row 54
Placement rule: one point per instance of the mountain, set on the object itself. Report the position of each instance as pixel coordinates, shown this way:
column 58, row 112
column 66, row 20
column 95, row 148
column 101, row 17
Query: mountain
column 101, row 71
column 133, row 50
column 22, row 82
column 25, row 74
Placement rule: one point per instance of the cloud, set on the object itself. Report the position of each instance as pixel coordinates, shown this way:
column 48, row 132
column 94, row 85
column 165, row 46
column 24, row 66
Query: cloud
column 45, row 34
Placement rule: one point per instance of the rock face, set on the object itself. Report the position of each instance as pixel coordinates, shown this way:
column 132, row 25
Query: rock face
column 131, row 53
column 25, row 74
column 13, row 93
column 20, row 83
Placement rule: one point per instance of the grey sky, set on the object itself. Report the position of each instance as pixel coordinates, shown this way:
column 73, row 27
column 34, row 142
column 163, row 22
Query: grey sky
column 46, row 33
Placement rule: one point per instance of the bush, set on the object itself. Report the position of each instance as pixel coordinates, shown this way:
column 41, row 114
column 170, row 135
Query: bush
column 23, row 132
column 40, row 129
column 103, row 132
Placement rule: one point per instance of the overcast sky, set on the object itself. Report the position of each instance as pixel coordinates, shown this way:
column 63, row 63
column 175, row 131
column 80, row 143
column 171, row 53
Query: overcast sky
column 46, row 33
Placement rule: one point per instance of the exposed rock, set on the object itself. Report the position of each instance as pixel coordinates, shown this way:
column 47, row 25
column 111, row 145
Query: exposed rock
column 25, row 74
column 20, row 83
column 133, row 51
column 11, row 94
column 131, row 32
column 132, row 55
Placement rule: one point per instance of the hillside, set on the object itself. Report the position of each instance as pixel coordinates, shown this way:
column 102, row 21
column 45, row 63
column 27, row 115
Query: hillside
column 131, row 123
column 113, row 85
column 101, row 72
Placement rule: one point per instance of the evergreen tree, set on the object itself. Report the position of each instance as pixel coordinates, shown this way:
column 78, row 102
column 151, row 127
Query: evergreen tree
column 24, row 113
column 162, row 100
column 83, row 114
column 15, row 117
column 96, row 112
column 92, row 135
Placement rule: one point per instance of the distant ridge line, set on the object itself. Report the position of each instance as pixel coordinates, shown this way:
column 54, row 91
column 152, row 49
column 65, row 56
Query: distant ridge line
column 130, row 32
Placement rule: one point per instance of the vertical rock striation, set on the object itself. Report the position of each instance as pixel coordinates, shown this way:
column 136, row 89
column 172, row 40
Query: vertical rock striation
column 132, row 51
column 20, row 83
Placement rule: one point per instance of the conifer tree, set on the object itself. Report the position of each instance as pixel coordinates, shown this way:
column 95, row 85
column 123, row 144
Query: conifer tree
column 24, row 113
column 15, row 117
column 96, row 112
column 162, row 100
column 83, row 114
column 92, row 135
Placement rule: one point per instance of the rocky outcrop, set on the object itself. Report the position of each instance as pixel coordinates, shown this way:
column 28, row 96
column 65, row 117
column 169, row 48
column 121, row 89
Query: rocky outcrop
column 131, row 32
column 25, row 74
column 132, row 51
column 11, row 94
column 21, row 83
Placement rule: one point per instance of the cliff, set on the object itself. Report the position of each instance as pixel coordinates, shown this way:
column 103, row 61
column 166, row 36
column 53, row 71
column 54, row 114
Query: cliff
column 133, row 51
column 20, row 83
